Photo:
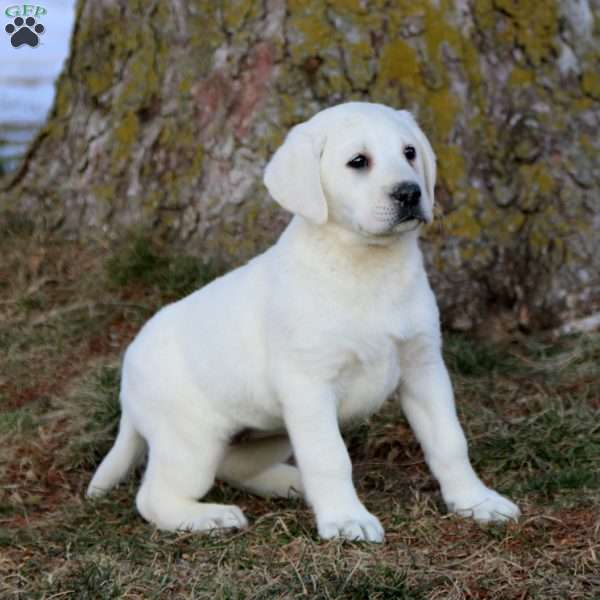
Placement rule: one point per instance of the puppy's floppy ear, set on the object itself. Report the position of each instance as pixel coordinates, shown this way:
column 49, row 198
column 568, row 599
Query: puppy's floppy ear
column 426, row 150
column 293, row 175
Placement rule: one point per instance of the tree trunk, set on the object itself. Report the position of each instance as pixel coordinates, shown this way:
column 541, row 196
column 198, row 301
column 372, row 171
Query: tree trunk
column 167, row 112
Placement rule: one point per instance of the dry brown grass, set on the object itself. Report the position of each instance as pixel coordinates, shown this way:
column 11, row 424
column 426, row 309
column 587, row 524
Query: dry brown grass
column 66, row 313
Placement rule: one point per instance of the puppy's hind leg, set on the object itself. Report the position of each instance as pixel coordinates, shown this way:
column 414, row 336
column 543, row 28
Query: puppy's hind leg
column 258, row 465
column 180, row 471
column 278, row 481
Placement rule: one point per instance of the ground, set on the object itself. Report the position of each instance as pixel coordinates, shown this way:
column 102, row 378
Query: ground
column 67, row 311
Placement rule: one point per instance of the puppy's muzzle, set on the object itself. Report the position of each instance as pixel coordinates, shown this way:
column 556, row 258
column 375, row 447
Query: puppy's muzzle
column 407, row 198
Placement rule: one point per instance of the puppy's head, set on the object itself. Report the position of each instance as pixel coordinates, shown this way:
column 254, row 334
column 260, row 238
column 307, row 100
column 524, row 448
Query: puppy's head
column 366, row 167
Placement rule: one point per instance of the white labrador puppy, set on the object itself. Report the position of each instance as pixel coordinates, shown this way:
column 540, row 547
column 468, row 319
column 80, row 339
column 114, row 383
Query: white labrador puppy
column 318, row 330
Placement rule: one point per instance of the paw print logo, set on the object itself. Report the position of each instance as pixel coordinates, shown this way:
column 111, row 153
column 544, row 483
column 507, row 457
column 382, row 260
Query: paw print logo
column 24, row 31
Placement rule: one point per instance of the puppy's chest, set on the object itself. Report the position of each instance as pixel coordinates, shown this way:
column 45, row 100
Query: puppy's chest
column 367, row 378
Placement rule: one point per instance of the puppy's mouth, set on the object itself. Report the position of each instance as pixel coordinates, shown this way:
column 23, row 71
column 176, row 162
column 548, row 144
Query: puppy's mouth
column 397, row 228
column 394, row 228
column 408, row 218
column 408, row 223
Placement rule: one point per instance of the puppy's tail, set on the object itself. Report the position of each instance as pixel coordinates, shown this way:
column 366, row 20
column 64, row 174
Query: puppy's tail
column 126, row 452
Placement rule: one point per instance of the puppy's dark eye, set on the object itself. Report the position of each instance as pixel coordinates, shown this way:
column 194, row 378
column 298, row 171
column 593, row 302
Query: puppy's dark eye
column 410, row 153
column 360, row 161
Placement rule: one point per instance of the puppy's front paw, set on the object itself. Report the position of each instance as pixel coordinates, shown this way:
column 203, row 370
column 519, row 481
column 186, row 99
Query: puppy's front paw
column 211, row 517
column 483, row 505
column 361, row 526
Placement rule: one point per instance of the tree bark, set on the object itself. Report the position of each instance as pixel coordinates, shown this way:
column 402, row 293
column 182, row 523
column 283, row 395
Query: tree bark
column 167, row 112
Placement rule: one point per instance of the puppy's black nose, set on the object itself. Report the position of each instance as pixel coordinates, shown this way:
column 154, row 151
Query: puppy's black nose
column 408, row 194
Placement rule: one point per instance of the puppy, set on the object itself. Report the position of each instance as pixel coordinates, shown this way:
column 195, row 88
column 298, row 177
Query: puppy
column 315, row 332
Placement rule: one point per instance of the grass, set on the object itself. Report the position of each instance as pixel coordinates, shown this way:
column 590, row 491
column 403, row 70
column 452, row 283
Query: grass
column 140, row 261
column 67, row 311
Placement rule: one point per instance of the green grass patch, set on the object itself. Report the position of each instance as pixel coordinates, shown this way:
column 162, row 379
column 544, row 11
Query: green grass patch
column 144, row 261
column 94, row 404
column 475, row 358
column 16, row 421
column 553, row 450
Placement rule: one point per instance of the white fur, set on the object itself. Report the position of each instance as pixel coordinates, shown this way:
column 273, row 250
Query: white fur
column 318, row 330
